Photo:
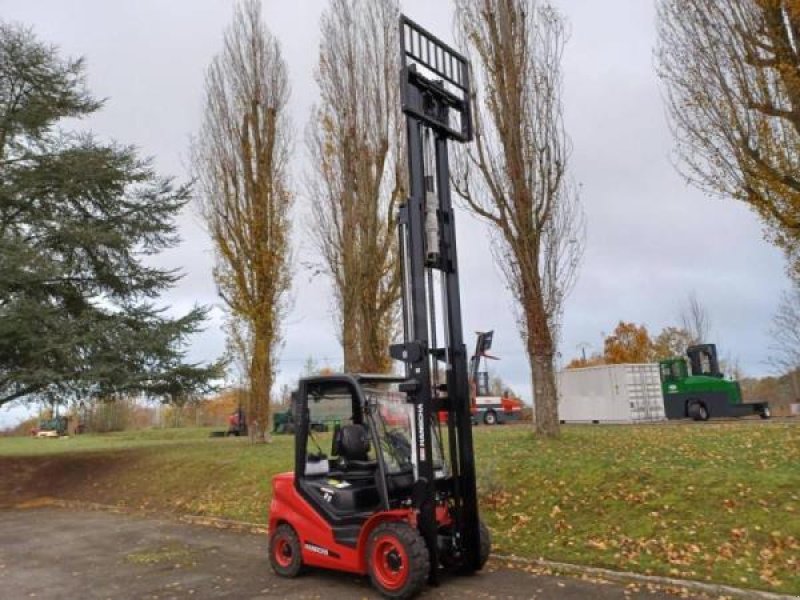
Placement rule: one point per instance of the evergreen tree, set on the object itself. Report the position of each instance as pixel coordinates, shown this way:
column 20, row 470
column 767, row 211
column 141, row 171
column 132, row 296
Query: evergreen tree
column 77, row 219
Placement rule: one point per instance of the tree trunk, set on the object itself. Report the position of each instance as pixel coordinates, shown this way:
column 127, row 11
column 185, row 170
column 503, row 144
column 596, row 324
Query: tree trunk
column 260, row 386
column 545, row 418
column 543, row 382
column 350, row 343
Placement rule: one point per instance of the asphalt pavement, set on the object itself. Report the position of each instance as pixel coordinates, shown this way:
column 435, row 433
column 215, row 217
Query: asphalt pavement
column 54, row 553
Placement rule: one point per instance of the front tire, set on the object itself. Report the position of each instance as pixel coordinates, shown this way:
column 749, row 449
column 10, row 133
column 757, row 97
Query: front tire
column 490, row 418
column 485, row 544
column 765, row 413
column 451, row 563
column 397, row 559
column 698, row 411
column 285, row 553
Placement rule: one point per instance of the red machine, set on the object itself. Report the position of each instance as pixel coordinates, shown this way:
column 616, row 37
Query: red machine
column 388, row 499
column 487, row 408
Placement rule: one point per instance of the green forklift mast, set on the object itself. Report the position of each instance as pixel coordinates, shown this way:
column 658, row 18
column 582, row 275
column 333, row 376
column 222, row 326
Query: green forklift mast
column 703, row 359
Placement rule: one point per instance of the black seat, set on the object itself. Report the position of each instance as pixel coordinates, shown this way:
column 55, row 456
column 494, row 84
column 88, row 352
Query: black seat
column 351, row 444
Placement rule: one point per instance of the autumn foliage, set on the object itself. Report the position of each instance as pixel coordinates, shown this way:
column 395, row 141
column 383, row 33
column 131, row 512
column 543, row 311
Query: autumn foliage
column 631, row 343
column 731, row 72
column 217, row 409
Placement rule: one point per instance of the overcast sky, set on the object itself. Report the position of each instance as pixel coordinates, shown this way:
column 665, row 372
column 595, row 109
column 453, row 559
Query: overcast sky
column 651, row 239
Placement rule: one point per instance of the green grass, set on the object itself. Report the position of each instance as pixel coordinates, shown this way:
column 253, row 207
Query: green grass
column 29, row 446
column 718, row 502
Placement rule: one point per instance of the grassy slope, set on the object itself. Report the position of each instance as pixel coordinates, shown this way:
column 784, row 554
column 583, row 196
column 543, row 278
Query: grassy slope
column 712, row 501
column 718, row 501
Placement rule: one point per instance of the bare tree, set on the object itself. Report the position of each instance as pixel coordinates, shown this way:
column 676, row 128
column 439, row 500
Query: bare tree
column 695, row 319
column 241, row 162
column 732, row 76
column 671, row 342
column 785, row 333
column 515, row 175
column 357, row 174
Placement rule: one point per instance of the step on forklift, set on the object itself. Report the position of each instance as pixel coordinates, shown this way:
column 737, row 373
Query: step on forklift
column 393, row 497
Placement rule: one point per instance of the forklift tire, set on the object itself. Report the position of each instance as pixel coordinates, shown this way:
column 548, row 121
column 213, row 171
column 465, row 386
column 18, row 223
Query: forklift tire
column 485, row 544
column 490, row 417
column 397, row 560
column 285, row 554
column 765, row 413
column 484, row 550
column 698, row 411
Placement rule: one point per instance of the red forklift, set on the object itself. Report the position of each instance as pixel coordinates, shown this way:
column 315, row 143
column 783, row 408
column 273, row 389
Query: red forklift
column 391, row 498
column 486, row 407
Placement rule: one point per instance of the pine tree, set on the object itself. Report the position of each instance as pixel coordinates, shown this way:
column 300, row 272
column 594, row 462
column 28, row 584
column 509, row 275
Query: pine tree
column 77, row 219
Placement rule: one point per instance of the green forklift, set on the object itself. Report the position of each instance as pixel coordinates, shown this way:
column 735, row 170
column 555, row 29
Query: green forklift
column 705, row 393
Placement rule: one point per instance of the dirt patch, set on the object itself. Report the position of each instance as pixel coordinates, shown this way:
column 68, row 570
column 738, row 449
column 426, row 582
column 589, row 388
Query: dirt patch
column 172, row 554
column 79, row 476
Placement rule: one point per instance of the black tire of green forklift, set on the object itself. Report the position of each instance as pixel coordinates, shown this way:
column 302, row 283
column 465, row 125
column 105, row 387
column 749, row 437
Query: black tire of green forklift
column 765, row 413
column 697, row 411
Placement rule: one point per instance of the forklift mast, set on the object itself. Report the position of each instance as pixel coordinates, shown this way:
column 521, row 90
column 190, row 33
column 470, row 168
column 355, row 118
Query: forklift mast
column 703, row 360
column 435, row 91
column 480, row 379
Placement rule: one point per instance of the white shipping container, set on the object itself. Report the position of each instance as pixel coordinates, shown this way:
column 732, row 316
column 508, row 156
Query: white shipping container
column 610, row 394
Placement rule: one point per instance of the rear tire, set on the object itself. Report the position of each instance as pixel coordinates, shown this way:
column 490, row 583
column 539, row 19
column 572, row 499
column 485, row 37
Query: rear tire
column 490, row 418
column 285, row 553
column 397, row 560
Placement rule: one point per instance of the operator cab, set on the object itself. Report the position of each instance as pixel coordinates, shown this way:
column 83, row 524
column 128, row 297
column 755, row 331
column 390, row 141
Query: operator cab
column 366, row 462
column 673, row 369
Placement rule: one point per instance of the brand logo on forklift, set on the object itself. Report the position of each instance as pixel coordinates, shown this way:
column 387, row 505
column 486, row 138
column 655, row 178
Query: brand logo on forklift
column 421, row 431
column 320, row 550
column 316, row 549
